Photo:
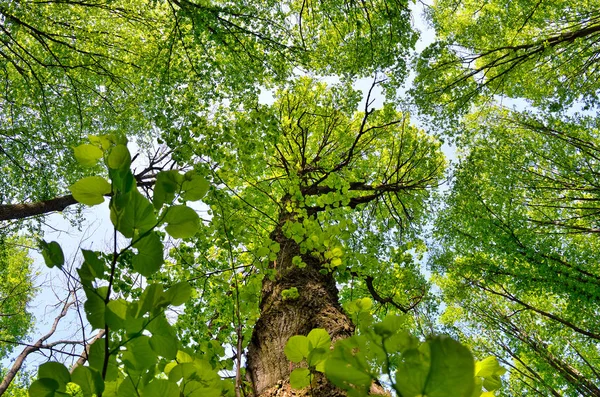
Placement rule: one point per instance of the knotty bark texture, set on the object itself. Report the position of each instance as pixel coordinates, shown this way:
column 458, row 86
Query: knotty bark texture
column 316, row 307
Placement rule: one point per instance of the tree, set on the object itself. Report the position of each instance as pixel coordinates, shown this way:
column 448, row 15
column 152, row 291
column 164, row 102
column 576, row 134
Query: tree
column 66, row 76
column 540, row 52
column 135, row 341
column 16, row 291
column 306, row 170
column 518, row 235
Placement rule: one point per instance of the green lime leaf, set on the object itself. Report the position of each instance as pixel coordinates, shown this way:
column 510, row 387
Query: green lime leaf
column 342, row 374
column 149, row 258
column 116, row 313
column 101, row 140
column 52, row 253
column 131, row 212
column 413, row 370
column 182, row 221
column 164, row 339
column 317, row 357
column 296, row 349
column 167, row 184
column 300, row 378
column 179, row 293
column 446, row 368
column 161, row 388
column 57, row 372
column 119, row 158
column 96, row 265
column 489, row 367
column 44, row 387
column 89, row 380
column 452, row 369
column 194, row 186
column 139, row 355
column 492, row 383
column 90, row 190
column 318, row 338
column 153, row 298
column 87, row 155
column 96, row 359
column 94, row 308
column 391, row 324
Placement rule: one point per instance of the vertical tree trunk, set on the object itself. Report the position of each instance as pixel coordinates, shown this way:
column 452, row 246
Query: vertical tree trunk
column 316, row 307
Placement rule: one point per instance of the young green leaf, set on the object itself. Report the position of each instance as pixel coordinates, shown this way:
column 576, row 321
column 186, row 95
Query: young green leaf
column 52, row 253
column 44, row 387
column 57, row 372
column 318, row 338
column 89, row 380
column 149, row 258
column 90, row 190
column 296, row 349
column 182, row 221
column 87, row 155
column 194, row 186
column 300, row 378
column 119, row 158
column 161, row 388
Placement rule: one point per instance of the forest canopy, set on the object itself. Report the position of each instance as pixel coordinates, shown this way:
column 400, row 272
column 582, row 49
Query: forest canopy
column 391, row 221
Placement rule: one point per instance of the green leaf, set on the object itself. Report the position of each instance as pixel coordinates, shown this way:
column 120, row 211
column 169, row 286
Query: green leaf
column 318, row 338
column 149, row 258
column 164, row 339
column 316, row 358
column 52, row 253
column 161, row 388
column 489, row 367
column 447, row 369
column 342, row 374
column 116, row 313
column 167, row 184
column 152, row 299
column 87, row 155
column 182, row 221
column 179, row 293
column 132, row 212
column 96, row 359
column 90, row 190
column 194, row 186
column 300, row 378
column 94, row 308
column 390, row 325
column 139, row 355
column 89, row 380
column 119, row 158
column 44, row 387
column 296, row 349
column 103, row 140
column 96, row 265
column 412, row 373
column 57, row 372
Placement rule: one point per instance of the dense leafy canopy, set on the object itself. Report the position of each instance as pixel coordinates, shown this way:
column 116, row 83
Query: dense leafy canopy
column 315, row 191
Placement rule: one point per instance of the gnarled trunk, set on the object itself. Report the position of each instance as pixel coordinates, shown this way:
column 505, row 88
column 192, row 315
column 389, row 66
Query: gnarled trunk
column 316, row 307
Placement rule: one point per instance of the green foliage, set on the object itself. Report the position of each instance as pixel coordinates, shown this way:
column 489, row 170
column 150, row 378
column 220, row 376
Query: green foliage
column 138, row 337
column 52, row 253
column 16, row 291
column 439, row 367
column 90, row 190
column 290, row 294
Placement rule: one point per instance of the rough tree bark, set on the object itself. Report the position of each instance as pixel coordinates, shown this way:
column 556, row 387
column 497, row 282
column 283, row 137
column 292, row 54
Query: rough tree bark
column 316, row 307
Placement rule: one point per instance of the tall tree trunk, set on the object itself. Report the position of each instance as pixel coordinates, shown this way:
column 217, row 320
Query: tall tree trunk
column 316, row 307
